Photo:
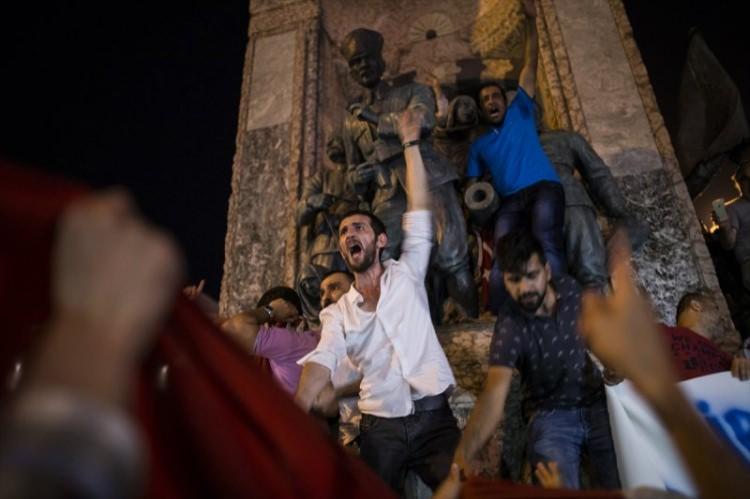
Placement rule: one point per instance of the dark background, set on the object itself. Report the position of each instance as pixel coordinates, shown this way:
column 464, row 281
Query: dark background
column 140, row 95
column 147, row 96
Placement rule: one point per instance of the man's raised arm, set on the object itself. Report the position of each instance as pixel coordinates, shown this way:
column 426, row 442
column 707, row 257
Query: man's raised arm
column 409, row 129
column 527, row 80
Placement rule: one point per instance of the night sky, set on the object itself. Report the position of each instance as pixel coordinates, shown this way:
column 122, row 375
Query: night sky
column 144, row 96
column 147, row 96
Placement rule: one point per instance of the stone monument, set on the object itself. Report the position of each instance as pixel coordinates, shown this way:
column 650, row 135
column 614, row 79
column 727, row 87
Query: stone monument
column 591, row 80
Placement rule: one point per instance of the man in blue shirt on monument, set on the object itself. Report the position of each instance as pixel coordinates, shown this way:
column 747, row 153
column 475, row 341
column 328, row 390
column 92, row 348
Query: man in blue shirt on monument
column 529, row 187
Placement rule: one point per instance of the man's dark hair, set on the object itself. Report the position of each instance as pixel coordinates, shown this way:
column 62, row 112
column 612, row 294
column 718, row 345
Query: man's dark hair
column 286, row 294
column 515, row 249
column 377, row 225
column 488, row 84
column 688, row 298
column 331, row 272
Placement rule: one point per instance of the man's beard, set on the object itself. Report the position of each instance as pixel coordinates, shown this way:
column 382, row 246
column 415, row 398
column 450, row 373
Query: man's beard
column 326, row 302
column 366, row 262
column 531, row 302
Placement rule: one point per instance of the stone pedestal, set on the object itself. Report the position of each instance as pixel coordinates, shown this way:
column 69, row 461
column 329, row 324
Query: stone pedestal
column 276, row 149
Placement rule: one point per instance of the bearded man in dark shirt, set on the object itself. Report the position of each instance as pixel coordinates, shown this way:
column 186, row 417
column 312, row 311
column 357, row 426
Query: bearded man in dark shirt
column 537, row 334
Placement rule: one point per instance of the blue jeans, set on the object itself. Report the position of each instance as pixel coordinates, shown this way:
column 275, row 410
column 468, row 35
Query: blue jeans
column 564, row 435
column 541, row 208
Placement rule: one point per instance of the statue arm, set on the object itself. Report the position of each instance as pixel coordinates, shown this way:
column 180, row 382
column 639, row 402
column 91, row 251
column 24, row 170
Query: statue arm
column 527, row 79
column 308, row 205
column 354, row 158
column 353, row 155
column 422, row 99
column 601, row 184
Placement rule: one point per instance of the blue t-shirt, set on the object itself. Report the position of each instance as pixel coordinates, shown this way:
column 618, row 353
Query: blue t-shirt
column 512, row 152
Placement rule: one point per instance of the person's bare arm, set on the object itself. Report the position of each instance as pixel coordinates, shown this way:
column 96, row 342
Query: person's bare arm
column 208, row 305
column 244, row 327
column 527, row 79
column 417, row 191
column 486, row 415
column 622, row 332
column 313, row 379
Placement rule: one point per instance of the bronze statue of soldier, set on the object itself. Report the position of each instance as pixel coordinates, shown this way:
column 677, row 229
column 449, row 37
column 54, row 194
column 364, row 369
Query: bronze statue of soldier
column 327, row 196
column 374, row 156
column 584, row 245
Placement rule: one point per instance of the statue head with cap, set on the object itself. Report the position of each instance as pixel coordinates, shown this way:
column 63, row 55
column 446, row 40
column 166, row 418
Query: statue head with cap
column 362, row 49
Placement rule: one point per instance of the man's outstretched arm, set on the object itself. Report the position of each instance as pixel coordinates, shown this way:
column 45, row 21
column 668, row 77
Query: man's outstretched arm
column 486, row 415
column 312, row 381
column 324, row 360
column 527, row 80
column 621, row 330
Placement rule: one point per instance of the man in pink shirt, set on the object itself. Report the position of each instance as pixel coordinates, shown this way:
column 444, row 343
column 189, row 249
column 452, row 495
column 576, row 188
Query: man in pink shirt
column 270, row 331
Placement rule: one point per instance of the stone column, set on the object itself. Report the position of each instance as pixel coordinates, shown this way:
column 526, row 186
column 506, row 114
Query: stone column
column 276, row 142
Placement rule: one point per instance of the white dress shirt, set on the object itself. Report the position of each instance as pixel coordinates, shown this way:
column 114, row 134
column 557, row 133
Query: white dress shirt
column 349, row 414
column 395, row 347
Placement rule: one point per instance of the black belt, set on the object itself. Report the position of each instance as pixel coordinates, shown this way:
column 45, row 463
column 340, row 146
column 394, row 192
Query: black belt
column 431, row 403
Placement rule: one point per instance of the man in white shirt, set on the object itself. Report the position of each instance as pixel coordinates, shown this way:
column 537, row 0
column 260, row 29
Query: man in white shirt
column 383, row 325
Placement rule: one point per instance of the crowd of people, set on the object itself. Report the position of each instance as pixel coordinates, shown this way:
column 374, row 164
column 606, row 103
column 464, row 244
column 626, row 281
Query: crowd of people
column 374, row 372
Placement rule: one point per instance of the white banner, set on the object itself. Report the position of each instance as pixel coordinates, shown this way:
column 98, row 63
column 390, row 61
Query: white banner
column 645, row 454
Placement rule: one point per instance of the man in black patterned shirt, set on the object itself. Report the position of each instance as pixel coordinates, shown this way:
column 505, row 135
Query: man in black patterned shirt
column 537, row 333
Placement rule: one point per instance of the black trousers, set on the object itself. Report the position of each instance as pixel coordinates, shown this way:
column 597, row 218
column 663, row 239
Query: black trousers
column 423, row 442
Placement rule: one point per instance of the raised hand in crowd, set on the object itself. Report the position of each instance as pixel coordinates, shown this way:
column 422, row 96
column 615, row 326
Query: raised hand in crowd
column 208, row 305
column 622, row 332
column 114, row 278
column 409, row 127
column 194, row 291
